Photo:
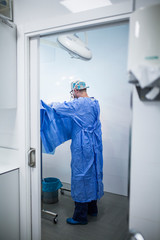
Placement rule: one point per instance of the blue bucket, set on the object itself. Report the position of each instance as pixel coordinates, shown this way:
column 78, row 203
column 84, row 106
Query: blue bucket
column 50, row 188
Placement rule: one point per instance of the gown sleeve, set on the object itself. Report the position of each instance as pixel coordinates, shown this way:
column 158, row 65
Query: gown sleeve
column 55, row 129
column 67, row 109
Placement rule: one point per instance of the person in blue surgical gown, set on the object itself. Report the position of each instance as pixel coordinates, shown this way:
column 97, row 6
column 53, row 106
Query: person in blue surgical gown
column 83, row 114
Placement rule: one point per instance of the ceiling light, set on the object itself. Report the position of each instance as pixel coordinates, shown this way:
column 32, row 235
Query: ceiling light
column 84, row 5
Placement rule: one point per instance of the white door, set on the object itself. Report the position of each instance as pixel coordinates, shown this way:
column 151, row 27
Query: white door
column 34, row 107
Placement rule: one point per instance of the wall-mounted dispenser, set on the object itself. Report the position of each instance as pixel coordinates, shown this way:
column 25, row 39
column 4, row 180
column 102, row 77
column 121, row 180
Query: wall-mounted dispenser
column 144, row 52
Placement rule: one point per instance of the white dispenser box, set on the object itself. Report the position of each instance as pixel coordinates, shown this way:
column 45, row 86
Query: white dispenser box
column 144, row 47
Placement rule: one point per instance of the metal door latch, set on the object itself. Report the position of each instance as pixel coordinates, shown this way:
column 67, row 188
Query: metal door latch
column 32, row 157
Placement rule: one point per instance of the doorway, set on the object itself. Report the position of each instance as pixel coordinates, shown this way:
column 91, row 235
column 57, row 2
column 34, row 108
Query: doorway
column 106, row 74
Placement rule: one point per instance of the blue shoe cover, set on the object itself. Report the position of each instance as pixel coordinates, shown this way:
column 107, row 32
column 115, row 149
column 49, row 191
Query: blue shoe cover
column 74, row 222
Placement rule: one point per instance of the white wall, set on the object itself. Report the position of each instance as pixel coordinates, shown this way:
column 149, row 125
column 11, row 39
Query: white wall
column 145, row 3
column 8, row 128
column 29, row 11
column 145, row 168
column 8, row 91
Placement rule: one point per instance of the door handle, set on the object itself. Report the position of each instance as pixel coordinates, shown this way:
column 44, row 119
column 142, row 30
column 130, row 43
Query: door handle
column 32, row 157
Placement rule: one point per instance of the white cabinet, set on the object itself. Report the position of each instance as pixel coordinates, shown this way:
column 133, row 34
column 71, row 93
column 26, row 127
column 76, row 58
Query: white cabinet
column 8, row 64
column 9, row 205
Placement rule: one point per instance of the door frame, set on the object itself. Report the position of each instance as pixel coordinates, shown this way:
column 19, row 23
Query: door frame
column 30, row 229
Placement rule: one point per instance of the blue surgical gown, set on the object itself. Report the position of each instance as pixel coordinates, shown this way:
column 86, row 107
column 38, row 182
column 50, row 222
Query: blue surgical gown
column 84, row 128
column 55, row 129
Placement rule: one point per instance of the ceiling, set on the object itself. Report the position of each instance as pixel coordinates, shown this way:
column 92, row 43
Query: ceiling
column 26, row 11
column 61, row 9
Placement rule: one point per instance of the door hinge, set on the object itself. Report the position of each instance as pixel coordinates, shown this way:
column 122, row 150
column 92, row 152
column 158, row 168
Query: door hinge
column 32, row 157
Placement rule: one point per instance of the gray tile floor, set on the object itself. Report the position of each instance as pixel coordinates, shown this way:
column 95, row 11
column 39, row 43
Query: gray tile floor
column 110, row 224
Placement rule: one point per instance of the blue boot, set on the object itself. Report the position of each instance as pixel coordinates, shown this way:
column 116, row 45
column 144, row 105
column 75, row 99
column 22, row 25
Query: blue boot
column 74, row 222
